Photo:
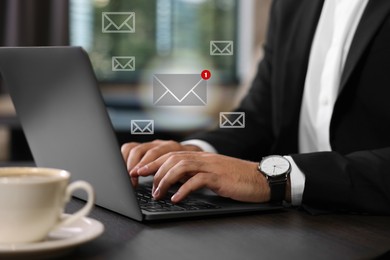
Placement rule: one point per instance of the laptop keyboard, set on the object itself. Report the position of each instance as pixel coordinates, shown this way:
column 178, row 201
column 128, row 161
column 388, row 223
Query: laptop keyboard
column 146, row 202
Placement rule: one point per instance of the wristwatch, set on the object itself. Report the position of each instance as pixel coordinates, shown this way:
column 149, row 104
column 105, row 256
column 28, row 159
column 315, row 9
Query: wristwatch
column 276, row 169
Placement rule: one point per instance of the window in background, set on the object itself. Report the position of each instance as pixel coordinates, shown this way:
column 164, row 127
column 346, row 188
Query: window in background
column 170, row 35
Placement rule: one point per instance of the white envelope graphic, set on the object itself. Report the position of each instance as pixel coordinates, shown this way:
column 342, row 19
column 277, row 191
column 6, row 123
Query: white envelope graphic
column 179, row 90
column 232, row 120
column 123, row 63
column 221, row 48
column 142, row 127
column 118, row 22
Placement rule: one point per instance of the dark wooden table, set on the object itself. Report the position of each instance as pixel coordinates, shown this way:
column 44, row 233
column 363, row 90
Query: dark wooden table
column 288, row 234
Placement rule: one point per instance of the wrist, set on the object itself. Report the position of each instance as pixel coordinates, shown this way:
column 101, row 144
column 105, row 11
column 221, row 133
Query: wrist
column 266, row 191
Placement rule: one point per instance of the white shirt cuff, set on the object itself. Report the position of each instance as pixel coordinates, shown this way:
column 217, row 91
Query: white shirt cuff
column 297, row 181
column 205, row 146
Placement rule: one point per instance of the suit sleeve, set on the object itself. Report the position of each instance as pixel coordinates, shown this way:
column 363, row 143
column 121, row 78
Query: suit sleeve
column 358, row 182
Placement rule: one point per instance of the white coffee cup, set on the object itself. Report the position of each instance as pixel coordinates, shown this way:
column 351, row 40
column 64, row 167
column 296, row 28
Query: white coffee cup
column 32, row 202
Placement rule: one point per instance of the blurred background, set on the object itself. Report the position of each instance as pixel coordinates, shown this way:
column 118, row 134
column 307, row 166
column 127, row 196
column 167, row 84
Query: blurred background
column 171, row 36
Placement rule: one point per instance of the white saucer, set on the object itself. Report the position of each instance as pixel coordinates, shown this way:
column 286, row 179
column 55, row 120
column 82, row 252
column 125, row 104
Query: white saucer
column 61, row 239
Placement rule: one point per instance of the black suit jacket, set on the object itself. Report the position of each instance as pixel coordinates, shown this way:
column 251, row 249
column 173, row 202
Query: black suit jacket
column 355, row 176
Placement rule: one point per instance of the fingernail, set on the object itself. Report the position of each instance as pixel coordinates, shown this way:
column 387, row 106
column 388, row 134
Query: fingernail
column 156, row 192
column 174, row 197
column 142, row 169
column 135, row 169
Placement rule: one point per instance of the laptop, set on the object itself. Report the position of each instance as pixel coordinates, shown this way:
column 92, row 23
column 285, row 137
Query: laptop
column 65, row 120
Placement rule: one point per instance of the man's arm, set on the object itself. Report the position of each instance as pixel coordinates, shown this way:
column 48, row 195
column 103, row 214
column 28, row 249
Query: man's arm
column 256, row 136
column 357, row 182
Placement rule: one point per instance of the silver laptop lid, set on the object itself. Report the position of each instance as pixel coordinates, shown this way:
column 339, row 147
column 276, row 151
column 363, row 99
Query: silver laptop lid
column 63, row 116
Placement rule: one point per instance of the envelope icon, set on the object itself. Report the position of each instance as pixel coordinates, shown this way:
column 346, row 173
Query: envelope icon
column 142, row 127
column 118, row 22
column 232, row 120
column 179, row 90
column 221, row 48
column 123, row 63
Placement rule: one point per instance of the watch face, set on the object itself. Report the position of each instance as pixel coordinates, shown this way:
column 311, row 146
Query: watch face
column 275, row 165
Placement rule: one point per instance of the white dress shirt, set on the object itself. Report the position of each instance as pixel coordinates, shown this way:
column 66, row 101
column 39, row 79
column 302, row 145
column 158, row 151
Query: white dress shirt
column 335, row 30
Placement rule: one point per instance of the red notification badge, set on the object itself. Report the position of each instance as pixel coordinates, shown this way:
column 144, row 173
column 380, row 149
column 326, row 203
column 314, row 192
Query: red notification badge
column 206, row 74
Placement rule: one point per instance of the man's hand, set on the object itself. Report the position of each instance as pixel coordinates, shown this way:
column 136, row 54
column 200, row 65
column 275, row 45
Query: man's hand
column 136, row 154
column 228, row 177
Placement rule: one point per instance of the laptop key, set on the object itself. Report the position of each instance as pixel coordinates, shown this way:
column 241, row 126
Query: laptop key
column 147, row 203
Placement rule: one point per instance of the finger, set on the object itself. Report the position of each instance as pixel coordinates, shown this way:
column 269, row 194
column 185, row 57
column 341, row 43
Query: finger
column 170, row 160
column 167, row 162
column 162, row 165
column 125, row 149
column 155, row 165
column 198, row 181
column 161, row 149
column 179, row 171
column 152, row 167
column 135, row 156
